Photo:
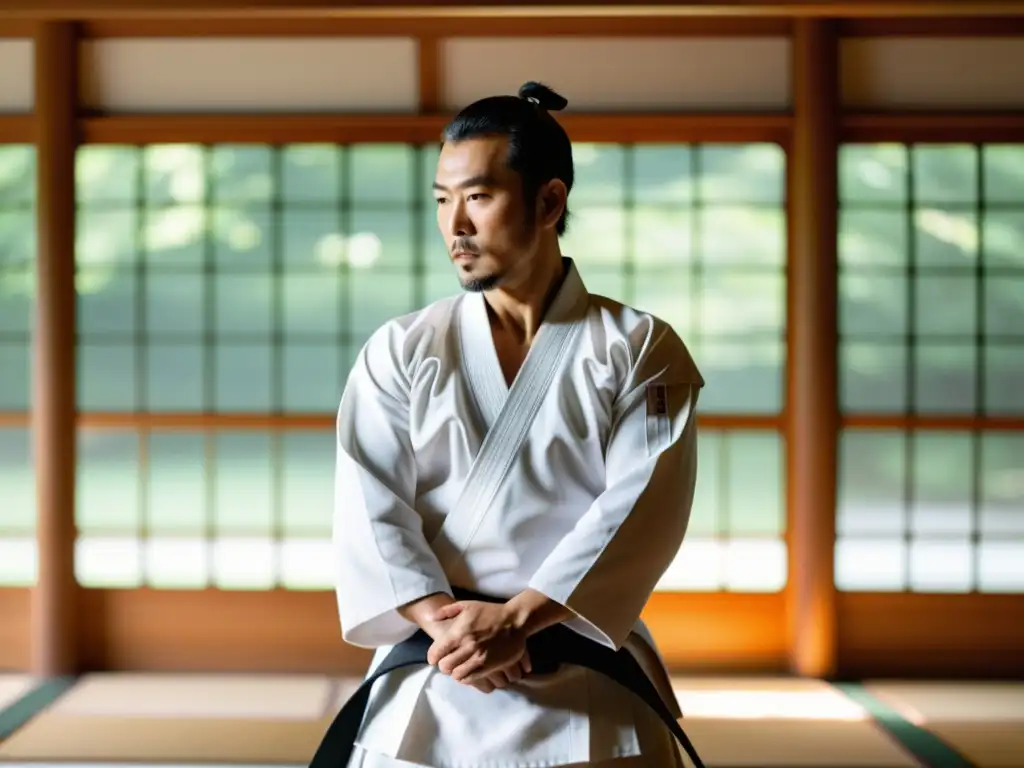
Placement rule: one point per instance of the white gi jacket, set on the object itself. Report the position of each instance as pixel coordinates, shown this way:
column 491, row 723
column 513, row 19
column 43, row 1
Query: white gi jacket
column 592, row 511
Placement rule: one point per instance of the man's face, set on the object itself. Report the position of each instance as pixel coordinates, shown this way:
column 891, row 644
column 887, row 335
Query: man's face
column 482, row 215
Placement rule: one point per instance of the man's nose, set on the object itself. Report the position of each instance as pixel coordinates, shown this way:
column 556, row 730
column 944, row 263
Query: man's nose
column 460, row 224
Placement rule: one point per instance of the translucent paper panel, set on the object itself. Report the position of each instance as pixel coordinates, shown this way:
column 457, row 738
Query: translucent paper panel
column 695, row 234
column 17, row 508
column 250, row 275
column 234, row 509
column 250, row 510
column 932, row 324
column 931, row 313
column 930, row 511
column 17, row 265
column 240, row 278
column 735, row 537
column 243, row 279
column 17, row 299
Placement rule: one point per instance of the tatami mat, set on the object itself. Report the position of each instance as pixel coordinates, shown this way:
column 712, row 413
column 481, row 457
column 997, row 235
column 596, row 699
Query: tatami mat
column 242, row 697
column 768, row 742
column 343, row 690
column 13, row 687
column 756, row 723
column 925, row 703
column 762, row 721
column 279, row 720
column 52, row 736
column 763, row 697
column 986, row 745
column 722, row 743
column 982, row 721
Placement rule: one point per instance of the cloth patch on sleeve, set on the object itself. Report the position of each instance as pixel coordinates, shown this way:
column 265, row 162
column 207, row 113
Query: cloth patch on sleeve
column 658, row 420
column 657, row 400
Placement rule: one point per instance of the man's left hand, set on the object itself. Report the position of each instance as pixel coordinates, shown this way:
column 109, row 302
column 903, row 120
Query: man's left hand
column 481, row 642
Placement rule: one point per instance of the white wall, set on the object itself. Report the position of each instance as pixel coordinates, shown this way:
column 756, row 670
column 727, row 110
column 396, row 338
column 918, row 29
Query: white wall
column 613, row 74
column 932, row 73
column 17, row 67
column 243, row 75
column 381, row 74
column 618, row 74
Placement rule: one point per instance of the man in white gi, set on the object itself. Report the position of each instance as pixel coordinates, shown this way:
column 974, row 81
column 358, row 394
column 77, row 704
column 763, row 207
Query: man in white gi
column 524, row 440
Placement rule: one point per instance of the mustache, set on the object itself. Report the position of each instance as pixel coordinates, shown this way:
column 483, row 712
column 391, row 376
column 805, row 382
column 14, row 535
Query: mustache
column 465, row 245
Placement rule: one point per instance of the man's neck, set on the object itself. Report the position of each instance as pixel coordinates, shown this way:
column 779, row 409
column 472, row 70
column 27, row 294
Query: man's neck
column 519, row 310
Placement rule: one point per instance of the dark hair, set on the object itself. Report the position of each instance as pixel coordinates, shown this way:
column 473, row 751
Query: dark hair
column 538, row 148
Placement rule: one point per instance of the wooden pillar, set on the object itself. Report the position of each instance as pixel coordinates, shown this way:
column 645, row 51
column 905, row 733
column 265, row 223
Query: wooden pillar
column 430, row 74
column 813, row 396
column 54, row 626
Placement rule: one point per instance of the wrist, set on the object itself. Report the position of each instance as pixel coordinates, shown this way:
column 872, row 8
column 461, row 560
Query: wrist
column 531, row 611
column 421, row 612
column 518, row 615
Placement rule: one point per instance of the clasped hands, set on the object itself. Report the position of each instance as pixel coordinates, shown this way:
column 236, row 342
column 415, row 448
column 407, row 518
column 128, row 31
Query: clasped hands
column 484, row 644
column 479, row 644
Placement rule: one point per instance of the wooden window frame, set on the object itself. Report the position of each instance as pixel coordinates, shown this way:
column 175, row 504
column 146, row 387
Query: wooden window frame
column 950, row 635
column 143, row 629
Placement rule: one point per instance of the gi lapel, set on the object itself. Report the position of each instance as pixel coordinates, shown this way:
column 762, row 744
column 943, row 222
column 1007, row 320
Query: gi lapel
column 479, row 360
column 554, row 343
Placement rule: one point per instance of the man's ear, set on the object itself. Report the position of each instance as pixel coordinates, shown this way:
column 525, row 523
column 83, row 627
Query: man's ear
column 551, row 202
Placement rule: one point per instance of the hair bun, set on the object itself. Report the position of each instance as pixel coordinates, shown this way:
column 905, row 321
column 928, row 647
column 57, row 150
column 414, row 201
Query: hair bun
column 544, row 97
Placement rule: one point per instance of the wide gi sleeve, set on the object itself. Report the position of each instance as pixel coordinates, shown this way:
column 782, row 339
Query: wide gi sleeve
column 607, row 566
column 382, row 558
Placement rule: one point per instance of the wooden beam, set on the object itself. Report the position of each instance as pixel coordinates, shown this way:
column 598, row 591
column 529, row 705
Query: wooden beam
column 15, row 630
column 702, row 632
column 947, row 636
column 211, row 630
column 616, row 127
column 147, row 630
column 325, row 421
column 15, row 419
column 17, row 129
column 937, row 423
column 984, row 26
column 157, row 630
column 411, row 26
column 260, row 128
column 431, row 75
column 282, row 129
column 812, row 392
column 16, row 28
column 319, row 421
column 54, row 633
column 206, row 9
column 925, row 127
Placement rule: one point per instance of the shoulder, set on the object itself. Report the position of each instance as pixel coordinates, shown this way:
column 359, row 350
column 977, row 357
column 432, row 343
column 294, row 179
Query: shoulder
column 396, row 345
column 655, row 349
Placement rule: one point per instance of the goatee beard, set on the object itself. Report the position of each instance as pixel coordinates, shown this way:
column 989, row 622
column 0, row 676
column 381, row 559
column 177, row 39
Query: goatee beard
column 480, row 284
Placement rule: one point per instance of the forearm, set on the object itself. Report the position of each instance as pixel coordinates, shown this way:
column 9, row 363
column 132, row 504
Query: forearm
column 533, row 612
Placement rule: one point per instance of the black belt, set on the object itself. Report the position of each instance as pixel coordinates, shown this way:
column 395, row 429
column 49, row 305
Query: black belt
column 548, row 650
